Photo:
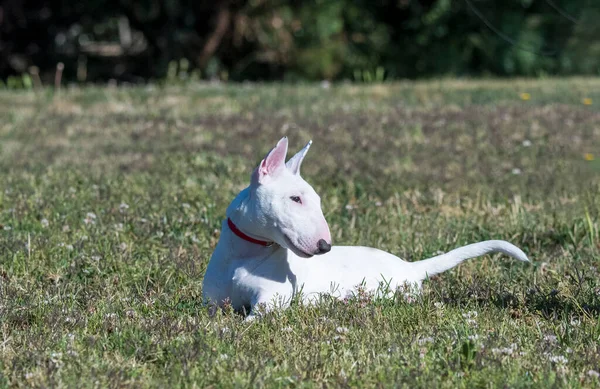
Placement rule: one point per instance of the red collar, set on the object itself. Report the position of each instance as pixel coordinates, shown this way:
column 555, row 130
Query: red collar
column 247, row 238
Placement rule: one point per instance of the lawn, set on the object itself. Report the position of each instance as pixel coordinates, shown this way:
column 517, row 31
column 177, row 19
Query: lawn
column 112, row 199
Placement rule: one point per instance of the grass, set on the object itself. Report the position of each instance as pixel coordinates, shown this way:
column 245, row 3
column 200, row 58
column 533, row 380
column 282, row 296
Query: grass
column 111, row 201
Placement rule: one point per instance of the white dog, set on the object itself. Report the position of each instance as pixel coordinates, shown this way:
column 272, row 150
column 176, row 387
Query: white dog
column 274, row 227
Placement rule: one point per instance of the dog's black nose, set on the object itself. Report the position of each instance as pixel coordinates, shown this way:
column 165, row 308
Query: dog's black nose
column 323, row 246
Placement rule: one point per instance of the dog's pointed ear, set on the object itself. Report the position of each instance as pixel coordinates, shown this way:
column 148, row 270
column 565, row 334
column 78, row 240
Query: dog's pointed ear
column 294, row 163
column 273, row 162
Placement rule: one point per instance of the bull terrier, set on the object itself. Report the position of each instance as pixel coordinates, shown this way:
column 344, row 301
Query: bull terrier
column 275, row 244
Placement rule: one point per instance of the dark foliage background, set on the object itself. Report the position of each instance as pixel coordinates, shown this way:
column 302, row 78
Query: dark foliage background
column 362, row 40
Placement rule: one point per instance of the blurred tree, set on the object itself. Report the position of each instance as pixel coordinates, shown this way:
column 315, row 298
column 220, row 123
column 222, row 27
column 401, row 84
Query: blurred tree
column 137, row 40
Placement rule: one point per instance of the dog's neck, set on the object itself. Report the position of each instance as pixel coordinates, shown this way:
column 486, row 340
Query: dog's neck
column 239, row 248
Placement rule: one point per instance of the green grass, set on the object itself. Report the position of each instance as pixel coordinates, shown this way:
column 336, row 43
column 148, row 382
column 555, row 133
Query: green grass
column 111, row 201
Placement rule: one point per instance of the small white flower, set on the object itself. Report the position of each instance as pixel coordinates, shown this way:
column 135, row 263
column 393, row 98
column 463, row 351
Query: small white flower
column 7, row 228
column 90, row 218
column 186, row 205
column 423, row 341
column 349, row 207
column 123, row 246
column 378, row 203
column 575, row 322
column 119, row 227
column 287, row 329
column 29, row 375
column 558, row 359
column 409, row 298
column 69, row 247
column 470, row 314
column 342, row 330
column 438, row 305
column 66, row 228
column 593, row 373
column 110, row 315
column 473, row 337
column 96, row 258
column 160, row 234
column 550, row 339
column 516, row 171
column 505, row 350
column 526, row 143
column 123, row 207
column 44, row 222
column 325, row 84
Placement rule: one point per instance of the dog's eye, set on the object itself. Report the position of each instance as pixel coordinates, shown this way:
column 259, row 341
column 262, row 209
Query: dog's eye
column 296, row 199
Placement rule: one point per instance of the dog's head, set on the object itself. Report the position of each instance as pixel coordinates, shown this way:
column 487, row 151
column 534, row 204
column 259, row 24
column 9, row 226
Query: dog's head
column 286, row 209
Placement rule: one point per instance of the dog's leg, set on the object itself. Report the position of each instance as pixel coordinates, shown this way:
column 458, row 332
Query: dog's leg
column 266, row 303
column 250, row 318
column 257, row 311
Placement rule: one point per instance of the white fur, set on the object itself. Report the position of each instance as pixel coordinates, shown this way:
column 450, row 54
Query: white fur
column 245, row 274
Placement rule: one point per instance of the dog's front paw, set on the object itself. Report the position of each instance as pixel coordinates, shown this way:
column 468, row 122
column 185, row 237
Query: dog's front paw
column 251, row 317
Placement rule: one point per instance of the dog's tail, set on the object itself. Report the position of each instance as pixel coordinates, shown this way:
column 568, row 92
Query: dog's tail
column 441, row 263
